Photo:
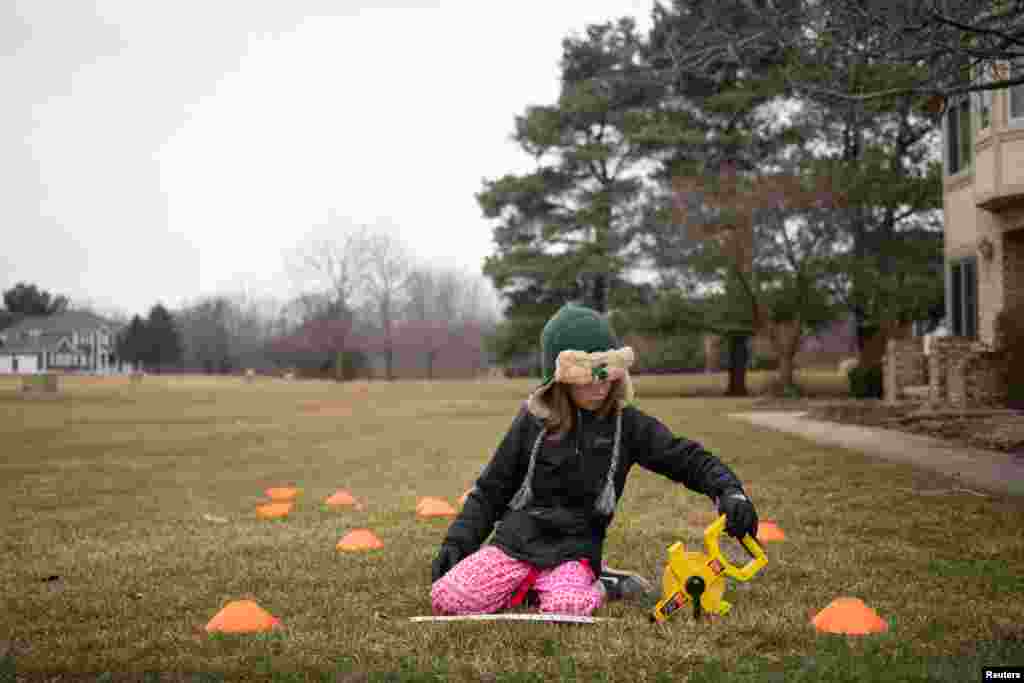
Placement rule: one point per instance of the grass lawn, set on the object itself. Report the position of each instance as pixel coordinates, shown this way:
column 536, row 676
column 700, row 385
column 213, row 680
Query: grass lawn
column 106, row 486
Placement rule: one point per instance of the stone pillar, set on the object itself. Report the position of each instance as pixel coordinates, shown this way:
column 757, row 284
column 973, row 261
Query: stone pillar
column 902, row 366
column 712, row 353
column 984, row 379
column 945, row 353
column 957, row 391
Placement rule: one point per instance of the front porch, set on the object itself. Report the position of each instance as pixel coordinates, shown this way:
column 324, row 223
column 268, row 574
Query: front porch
column 22, row 361
column 998, row 278
column 970, row 368
column 957, row 372
column 93, row 363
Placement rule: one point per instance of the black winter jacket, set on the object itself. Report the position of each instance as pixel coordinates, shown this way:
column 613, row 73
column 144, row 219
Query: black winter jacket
column 560, row 523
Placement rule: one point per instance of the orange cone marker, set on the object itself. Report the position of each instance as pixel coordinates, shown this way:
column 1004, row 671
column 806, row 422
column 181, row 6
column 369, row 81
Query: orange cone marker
column 850, row 616
column 360, row 539
column 242, row 616
column 341, row 497
column 282, row 494
column 434, row 507
column 273, row 510
column 769, row 531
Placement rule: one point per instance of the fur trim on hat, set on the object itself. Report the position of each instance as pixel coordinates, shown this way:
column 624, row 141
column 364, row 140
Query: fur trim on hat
column 580, row 367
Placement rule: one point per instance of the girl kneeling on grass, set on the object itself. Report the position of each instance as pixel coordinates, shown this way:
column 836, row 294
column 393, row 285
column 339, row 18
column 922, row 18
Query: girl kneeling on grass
column 553, row 483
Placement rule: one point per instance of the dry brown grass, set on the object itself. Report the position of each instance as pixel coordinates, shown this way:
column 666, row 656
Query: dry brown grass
column 107, row 486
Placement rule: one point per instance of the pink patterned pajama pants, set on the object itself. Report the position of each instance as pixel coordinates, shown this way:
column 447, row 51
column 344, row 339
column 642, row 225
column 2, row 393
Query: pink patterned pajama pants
column 485, row 582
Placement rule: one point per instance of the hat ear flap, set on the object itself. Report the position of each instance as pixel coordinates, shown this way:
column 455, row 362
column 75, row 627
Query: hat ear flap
column 536, row 404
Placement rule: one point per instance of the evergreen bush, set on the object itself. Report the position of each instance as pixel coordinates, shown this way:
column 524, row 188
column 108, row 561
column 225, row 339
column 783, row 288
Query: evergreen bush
column 866, row 382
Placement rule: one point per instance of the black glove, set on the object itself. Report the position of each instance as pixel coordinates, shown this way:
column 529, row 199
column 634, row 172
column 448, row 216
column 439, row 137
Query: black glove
column 740, row 515
column 449, row 556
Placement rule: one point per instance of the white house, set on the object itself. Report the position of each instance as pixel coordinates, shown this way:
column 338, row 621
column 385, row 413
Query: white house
column 75, row 341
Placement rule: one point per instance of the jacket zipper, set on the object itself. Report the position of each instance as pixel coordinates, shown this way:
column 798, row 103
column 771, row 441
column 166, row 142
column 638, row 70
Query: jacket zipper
column 579, row 432
column 579, row 451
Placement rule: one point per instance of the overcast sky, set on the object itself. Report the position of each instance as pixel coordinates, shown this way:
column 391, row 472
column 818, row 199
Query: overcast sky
column 156, row 150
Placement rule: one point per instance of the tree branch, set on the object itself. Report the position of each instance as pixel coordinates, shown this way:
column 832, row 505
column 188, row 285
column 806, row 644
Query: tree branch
column 1006, row 38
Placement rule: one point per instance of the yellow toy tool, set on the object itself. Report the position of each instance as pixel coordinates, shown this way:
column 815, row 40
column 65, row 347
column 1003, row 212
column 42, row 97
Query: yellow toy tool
column 700, row 578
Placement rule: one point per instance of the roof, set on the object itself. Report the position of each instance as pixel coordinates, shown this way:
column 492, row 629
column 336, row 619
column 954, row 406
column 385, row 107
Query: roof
column 60, row 323
column 52, row 328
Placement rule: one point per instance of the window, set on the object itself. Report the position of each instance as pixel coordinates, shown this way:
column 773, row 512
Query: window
column 958, row 136
column 983, row 100
column 963, row 299
column 984, row 109
column 1016, row 95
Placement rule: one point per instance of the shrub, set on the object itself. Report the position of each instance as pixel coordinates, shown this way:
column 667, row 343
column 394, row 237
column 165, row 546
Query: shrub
column 764, row 362
column 353, row 364
column 866, row 382
column 778, row 390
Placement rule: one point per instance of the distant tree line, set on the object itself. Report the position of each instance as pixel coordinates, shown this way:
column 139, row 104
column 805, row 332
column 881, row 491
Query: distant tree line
column 362, row 297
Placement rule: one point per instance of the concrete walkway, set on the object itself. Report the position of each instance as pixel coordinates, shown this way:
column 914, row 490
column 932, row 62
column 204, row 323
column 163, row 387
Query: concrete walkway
column 974, row 468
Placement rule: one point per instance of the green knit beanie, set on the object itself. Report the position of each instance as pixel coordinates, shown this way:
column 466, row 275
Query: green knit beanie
column 573, row 327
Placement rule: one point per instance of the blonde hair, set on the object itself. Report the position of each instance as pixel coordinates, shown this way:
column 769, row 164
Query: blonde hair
column 563, row 413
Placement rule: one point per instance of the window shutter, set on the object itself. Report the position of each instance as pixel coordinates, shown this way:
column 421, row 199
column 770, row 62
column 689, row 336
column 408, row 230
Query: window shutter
column 956, row 300
column 952, row 140
column 966, row 153
column 970, row 274
column 1016, row 98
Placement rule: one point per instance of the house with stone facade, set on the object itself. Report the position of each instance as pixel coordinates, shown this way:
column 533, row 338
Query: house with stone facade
column 983, row 205
column 74, row 341
column 983, row 202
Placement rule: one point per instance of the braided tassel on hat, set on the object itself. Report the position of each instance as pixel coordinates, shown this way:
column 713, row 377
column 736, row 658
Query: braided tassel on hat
column 606, row 501
column 525, row 493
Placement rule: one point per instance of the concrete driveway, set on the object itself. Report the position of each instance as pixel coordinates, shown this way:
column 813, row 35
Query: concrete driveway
column 974, row 468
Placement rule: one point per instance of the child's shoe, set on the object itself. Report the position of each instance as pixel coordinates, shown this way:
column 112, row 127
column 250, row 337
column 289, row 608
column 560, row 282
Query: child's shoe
column 622, row 585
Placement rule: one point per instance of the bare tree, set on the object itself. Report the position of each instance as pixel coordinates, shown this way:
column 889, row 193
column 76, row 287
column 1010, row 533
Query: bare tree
column 449, row 294
column 330, row 267
column 420, row 288
column 204, row 335
column 478, row 304
column 441, row 305
column 249, row 323
column 936, row 44
column 388, row 265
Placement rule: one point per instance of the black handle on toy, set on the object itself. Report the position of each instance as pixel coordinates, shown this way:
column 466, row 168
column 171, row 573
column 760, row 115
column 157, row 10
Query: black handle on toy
column 695, row 587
